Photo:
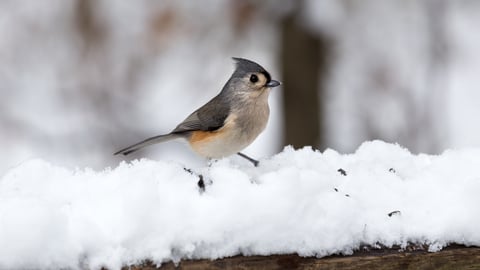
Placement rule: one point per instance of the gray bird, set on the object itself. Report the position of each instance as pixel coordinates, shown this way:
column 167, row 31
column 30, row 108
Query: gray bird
column 230, row 121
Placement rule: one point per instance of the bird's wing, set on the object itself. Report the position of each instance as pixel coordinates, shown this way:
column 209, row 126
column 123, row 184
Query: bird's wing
column 210, row 117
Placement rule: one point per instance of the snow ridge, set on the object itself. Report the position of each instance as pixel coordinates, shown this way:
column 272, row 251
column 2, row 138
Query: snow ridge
column 295, row 202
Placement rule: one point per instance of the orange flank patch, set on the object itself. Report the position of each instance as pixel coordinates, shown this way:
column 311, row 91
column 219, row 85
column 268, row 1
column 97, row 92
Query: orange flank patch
column 202, row 136
column 219, row 143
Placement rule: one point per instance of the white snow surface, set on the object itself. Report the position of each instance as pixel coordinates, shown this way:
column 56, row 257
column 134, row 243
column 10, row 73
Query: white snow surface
column 294, row 202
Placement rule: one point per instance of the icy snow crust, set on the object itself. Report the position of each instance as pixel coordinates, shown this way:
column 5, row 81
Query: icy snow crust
column 51, row 217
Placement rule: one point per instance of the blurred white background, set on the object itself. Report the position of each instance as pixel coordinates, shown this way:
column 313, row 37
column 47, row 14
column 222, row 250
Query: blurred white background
column 80, row 79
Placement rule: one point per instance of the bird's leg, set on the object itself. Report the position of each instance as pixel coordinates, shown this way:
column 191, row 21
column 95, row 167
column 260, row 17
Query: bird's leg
column 254, row 161
column 200, row 183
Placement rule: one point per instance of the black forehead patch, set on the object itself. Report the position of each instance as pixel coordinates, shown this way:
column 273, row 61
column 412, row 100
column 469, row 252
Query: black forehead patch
column 267, row 75
column 245, row 66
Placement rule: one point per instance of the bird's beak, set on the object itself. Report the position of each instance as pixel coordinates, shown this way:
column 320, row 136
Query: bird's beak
column 272, row 84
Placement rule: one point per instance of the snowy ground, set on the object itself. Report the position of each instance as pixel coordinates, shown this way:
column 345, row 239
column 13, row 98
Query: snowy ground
column 294, row 202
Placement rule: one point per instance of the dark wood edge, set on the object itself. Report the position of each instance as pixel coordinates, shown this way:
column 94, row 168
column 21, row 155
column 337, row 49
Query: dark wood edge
column 411, row 257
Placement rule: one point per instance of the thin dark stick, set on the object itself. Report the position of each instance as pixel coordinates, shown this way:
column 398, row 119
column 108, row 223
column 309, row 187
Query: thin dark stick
column 254, row 161
column 201, row 183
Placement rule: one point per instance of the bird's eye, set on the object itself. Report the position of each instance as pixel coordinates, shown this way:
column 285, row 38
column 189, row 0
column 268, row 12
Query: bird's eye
column 254, row 78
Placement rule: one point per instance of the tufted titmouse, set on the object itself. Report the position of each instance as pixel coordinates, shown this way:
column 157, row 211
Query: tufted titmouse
column 230, row 121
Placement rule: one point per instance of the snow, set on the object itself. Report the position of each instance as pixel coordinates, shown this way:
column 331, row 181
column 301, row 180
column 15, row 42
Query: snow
column 294, row 202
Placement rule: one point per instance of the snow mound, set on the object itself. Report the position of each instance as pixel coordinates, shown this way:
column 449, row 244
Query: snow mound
column 295, row 202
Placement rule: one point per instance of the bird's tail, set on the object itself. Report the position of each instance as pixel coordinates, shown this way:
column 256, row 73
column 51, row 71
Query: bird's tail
column 147, row 142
